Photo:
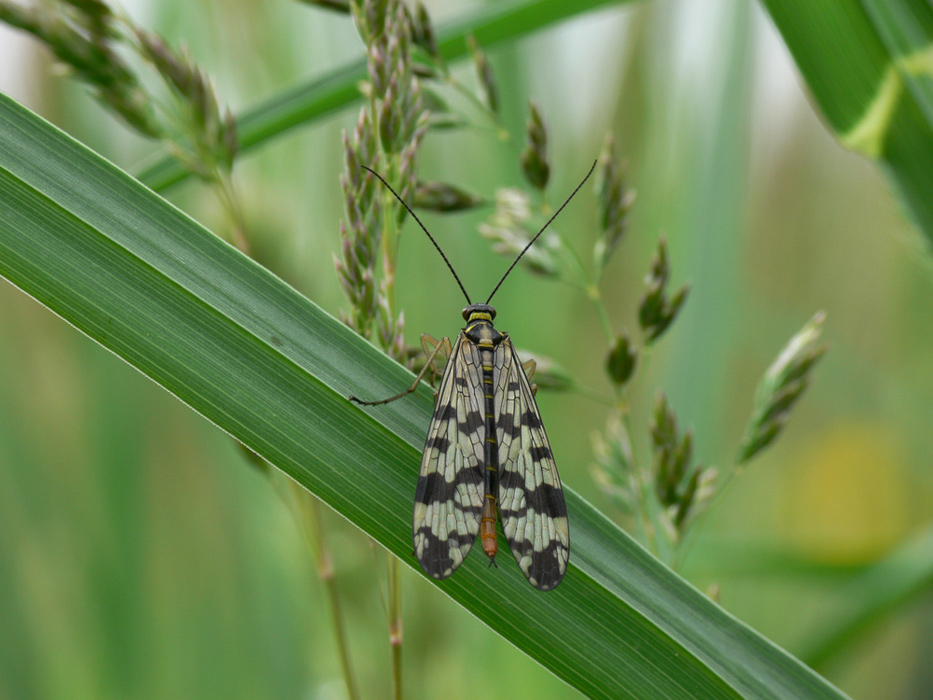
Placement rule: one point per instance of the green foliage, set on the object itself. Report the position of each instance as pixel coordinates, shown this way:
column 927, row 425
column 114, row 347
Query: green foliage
column 274, row 370
column 321, row 96
column 252, row 355
column 868, row 65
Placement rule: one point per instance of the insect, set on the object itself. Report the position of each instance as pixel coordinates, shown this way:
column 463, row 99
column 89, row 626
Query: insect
column 487, row 456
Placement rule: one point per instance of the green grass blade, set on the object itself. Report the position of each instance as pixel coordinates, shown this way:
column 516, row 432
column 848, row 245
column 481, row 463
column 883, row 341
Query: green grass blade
column 490, row 24
column 871, row 596
column 274, row 370
column 869, row 66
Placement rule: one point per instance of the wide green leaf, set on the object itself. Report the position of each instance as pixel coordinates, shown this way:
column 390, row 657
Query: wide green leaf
column 274, row 370
column 869, row 66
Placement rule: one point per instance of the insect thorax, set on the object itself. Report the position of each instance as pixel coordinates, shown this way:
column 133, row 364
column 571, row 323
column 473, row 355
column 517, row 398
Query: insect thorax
column 479, row 329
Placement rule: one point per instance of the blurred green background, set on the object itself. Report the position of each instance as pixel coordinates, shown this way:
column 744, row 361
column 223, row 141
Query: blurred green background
column 141, row 556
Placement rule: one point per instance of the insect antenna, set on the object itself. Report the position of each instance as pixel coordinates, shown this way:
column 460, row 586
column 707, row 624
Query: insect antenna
column 424, row 228
column 525, row 249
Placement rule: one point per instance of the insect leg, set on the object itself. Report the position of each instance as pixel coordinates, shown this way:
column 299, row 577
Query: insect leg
column 529, row 368
column 433, row 347
column 445, row 343
column 443, row 347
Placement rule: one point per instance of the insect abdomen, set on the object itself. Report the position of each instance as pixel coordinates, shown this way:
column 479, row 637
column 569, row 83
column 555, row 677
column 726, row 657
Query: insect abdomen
column 487, row 528
column 481, row 332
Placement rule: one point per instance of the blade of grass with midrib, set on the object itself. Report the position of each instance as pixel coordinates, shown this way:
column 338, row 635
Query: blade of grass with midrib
column 272, row 369
column 869, row 67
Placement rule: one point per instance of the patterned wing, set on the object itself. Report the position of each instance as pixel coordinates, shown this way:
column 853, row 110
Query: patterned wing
column 531, row 498
column 451, row 484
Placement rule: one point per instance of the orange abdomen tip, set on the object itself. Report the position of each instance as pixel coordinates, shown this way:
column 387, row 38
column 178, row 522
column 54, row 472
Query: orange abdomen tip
column 487, row 527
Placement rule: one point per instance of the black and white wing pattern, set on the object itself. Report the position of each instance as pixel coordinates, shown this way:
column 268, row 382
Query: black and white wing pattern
column 531, row 498
column 449, row 497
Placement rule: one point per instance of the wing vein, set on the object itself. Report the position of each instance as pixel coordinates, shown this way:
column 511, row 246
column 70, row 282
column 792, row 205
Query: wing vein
column 531, row 498
column 449, row 495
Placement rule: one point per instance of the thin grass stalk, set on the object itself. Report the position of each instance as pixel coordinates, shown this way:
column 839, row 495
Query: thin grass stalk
column 394, row 613
column 306, row 508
